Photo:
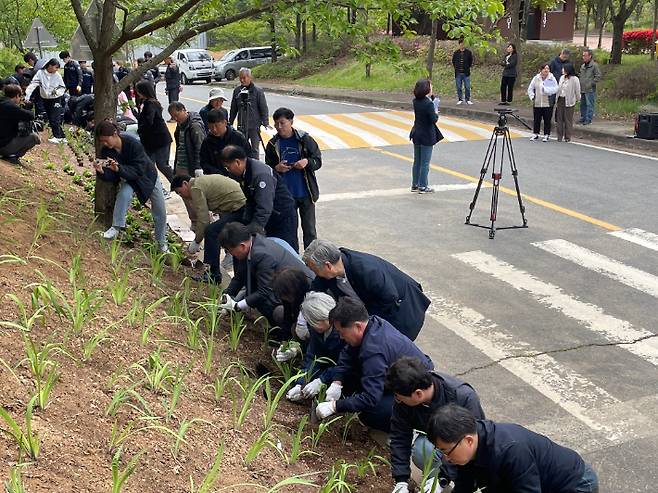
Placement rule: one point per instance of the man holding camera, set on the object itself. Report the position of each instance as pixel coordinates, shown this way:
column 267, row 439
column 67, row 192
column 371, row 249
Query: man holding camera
column 16, row 135
column 248, row 104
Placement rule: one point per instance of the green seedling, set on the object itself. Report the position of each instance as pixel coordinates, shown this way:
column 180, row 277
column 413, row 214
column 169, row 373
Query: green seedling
column 44, row 222
column 224, row 378
column 120, row 434
column 43, row 369
column 91, row 344
column 182, row 430
column 15, row 482
column 176, row 256
column 236, row 329
column 193, row 340
column 176, row 389
column 123, row 397
column 10, row 258
column 370, row 463
column 119, row 287
column 76, row 275
column 322, row 429
column 24, row 322
column 249, row 395
column 298, row 439
column 337, row 479
column 212, row 476
column 157, row 261
column 119, row 476
column 262, row 441
column 157, row 375
column 347, row 427
column 272, row 401
column 28, row 442
column 85, row 305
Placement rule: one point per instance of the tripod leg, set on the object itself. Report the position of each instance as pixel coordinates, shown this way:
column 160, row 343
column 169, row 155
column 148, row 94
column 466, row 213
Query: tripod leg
column 490, row 154
column 496, row 176
column 515, row 174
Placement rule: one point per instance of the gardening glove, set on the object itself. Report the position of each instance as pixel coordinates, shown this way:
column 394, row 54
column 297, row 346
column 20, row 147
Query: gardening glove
column 431, row 487
column 401, row 487
column 295, row 394
column 301, row 328
column 325, row 409
column 193, row 247
column 283, row 355
column 227, row 303
column 312, row 388
column 334, row 391
column 198, row 173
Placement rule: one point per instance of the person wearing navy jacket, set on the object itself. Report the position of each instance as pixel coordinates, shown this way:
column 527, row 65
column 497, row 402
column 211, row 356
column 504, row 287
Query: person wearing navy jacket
column 373, row 345
column 386, row 291
column 506, row 458
column 424, row 134
column 418, row 393
column 128, row 164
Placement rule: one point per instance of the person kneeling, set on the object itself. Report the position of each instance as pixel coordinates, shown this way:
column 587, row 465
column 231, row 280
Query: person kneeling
column 14, row 140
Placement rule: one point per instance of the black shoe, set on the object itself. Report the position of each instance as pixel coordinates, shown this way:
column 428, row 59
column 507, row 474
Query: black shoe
column 13, row 160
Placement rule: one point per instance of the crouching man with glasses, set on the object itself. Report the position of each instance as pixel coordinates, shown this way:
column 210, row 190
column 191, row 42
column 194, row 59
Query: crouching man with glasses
column 506, row 458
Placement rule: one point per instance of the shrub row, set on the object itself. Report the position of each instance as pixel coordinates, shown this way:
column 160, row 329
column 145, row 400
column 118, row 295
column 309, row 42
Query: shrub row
column 636, row 42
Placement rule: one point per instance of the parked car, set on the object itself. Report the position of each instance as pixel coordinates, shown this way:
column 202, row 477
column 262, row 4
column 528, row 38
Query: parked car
column 194, row 64
column 230, row 64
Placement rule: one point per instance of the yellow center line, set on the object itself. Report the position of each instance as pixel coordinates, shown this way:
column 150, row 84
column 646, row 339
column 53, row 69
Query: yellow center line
column 510, row 191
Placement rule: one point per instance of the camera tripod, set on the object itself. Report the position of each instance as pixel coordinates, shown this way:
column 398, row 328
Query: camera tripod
column 500, row 136
column 244, row 114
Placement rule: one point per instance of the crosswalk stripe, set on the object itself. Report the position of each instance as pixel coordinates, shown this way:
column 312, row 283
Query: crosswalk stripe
column 326, row 140
column 630, row 276
column 465, row 132
column 639, row 237
column 399, row 135
column 565, row 387
column 363, row 124
column 592, row 316
column 321, row 122
column 391, row 192
column 406, row 124
column 372, row 139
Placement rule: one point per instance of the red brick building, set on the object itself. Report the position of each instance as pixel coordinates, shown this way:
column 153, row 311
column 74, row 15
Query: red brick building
column 555, row 24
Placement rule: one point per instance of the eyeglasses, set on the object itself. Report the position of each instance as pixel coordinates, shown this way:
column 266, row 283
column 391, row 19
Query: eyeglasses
column 452, row 449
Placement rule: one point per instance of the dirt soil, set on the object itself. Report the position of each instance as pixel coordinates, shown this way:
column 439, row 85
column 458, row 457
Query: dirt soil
column 75, row 428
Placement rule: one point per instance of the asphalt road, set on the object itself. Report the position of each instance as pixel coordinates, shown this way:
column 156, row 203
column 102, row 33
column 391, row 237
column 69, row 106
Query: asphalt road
column 555, row 324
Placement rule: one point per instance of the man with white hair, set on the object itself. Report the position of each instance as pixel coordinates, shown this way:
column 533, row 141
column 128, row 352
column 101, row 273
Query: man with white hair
column 323, row 348
column 252, row 97
column 385, row 290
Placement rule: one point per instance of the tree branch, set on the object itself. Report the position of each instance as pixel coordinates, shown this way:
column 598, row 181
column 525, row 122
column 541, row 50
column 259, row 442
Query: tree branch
column 90, row 36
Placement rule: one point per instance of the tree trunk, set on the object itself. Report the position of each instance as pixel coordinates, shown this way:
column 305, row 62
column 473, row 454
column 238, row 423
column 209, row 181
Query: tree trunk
column 589, row 10
column 523, row 35
column 600, row 34
column 273, row 36
column 515, row 15
column 298, row 32
column 654, row 27
column 430, row 52
column 314, row 35
column 304, row 44
column 576, row 26
column 617, row 33
column 368, row 67
column 105, row 101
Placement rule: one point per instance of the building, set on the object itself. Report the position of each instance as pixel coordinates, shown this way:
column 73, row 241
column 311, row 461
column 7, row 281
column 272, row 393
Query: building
column 554, row 24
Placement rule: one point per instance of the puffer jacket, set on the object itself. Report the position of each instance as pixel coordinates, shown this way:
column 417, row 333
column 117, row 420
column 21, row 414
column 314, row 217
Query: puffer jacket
column 193, row 132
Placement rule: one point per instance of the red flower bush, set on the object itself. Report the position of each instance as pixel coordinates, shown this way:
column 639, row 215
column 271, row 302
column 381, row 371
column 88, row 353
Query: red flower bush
column 635, row 42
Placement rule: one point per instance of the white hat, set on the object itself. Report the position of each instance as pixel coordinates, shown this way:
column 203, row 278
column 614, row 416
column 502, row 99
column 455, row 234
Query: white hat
column 216, row 93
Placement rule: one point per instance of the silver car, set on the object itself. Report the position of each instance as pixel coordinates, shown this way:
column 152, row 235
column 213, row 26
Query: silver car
column 230, row 64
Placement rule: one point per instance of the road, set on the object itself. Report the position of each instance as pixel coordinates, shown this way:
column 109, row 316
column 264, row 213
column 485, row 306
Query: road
column 554, row 325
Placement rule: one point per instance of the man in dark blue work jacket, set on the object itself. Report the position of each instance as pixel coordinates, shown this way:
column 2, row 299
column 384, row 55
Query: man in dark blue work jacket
column 373, row 345
column 506, row 458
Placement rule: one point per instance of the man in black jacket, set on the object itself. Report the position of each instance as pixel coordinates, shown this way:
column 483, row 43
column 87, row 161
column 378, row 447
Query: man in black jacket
column 72, row 74
column 220, row 135
column 87, row 78
column 506, row 458
column 13, row 145
column 172, row 80
column 295, row 156
column 462, row 61
column 418, row 393
column 270, row 207
column 558, row 63
column 249, row 95
column 189, row 135
column 386, row 291
column 256, row 259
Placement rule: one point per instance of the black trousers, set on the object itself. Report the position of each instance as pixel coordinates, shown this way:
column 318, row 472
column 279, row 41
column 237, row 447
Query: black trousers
column 211, row 239
column 173, row 94
column 507, row 89
column 540, row 114
column 306, row 210
column 53, row 109
column 253, row 135
column 160, row 157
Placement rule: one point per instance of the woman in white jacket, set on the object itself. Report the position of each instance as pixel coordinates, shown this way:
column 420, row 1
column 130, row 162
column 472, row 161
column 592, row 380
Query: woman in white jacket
column 568, row 94
column 541, row 88
column 51, row 89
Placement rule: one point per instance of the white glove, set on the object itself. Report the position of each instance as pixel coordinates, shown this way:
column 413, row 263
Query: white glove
column 198, row 173
column 295, row 394
column 334, row 391
column 312, row 388
column 301, row 328
column 193, row 247
column 283, row 355
column 227, row 303
column 401, row 487
column 325, row 409
column 431, row 487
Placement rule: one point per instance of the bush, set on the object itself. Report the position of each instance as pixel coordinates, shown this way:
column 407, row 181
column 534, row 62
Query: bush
column 9, row 58
column 636, row 42
column 635, row 82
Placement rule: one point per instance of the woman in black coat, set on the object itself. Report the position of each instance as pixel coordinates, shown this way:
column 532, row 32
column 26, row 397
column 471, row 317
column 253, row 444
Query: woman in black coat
column 509, row 74
column 152, row 129
column 424, row 134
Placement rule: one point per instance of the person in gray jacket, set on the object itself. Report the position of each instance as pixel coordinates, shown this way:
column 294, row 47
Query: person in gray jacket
column 590, row 75
column 172, row 80
column 254, row 97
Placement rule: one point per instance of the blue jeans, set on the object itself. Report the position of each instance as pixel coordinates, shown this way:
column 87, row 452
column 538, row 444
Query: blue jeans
column 466, row 80
column 158, row 209
column 589, row 483
column 423, row 451
column 587, row 102
column 421, row 167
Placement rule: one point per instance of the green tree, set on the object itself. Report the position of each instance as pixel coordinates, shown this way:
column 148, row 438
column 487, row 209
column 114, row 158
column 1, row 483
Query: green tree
column 621, row 10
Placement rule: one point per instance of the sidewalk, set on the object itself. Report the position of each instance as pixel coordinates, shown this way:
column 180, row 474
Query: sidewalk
column 613, row 134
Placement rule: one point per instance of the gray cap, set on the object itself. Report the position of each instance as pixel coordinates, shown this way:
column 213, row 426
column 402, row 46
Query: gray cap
column 217, row 93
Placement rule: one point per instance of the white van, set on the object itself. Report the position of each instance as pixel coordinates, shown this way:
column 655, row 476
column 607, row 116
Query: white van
column 194, row 64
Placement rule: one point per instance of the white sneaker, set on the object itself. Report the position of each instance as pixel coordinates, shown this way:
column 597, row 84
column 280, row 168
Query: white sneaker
column 469, row 102
column 534, row 137
column 545, row 139
column 460, row 101
column 111, row 233
column 55, row 140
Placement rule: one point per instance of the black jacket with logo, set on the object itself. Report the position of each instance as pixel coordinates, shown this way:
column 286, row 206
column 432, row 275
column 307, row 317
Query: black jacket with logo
column 72, row 75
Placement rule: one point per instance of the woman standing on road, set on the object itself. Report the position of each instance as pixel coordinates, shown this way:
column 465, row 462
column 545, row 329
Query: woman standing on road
column 541, row 92
column 424, row 134
column 568, row 94
column 152, row 129
column 51, row 89
column 509, row 74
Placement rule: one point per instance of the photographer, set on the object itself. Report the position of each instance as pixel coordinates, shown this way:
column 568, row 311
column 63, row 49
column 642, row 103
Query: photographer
column 249, row 102
column 16, row 134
